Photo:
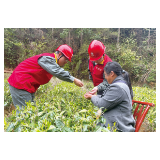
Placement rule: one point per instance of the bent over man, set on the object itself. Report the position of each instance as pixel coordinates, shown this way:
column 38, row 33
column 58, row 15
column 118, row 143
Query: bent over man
column 38, row 70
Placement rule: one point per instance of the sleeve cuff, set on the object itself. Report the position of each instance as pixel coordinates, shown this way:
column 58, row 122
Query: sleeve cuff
column 72, row 78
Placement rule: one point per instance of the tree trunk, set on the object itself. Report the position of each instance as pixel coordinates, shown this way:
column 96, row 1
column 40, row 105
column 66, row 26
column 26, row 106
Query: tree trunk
column 81, row 36
column 69, row 38
column 52, row 33
column 66, row 38
column 118, row 40
column 118, row 36
column 148, row 38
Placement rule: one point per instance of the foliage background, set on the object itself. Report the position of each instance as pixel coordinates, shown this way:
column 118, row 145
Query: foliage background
column 133, row 48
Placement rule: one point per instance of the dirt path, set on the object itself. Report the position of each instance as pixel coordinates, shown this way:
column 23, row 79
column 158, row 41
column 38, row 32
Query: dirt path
column 8, row 110
column 8, row 70
column 5, row 71
column 145, row 126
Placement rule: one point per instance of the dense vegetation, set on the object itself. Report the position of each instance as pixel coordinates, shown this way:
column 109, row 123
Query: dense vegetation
column 133, row 48
column 63, row 108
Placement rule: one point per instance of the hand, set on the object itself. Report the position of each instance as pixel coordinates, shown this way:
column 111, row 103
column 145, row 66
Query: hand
column 99, row 112
column 78, row 82
column 94, row 90
column 88, row 96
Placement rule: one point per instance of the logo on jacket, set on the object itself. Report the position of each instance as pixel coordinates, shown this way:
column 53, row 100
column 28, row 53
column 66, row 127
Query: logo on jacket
column 99, row 69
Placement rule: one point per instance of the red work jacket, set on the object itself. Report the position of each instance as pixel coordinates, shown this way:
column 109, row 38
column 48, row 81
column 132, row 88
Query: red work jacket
column 97, row 70
column 29, row 75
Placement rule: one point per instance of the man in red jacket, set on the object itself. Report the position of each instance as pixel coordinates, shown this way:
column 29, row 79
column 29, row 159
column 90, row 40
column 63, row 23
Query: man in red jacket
column 97, row 61
column 38, row 70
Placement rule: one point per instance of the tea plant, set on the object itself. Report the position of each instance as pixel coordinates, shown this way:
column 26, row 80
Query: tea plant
column 62, row 108
column 7, row 95
column 59, row 109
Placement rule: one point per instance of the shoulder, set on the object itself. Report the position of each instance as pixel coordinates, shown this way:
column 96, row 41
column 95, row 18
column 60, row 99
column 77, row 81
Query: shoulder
column 47, row 58
column 107, row 58
column 115, row 85
column 115, row 89
column 119, row 86
column 47, row 61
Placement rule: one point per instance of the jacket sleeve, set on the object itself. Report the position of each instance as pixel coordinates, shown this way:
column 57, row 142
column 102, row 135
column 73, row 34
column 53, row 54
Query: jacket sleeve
column 103, row 86
column 49, row 64
column 111, row 98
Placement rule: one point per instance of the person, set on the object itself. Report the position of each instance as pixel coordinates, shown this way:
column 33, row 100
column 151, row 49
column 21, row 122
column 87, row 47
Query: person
column 38, row 70
column 116, row 100
column 97, row 61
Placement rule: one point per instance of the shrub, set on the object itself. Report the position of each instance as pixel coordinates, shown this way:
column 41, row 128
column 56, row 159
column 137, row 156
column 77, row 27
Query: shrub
column 7, row 95
column 62, row 109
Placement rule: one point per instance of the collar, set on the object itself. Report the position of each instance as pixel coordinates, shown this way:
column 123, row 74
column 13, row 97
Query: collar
column 118, row 78
column 102, row 62
column 55, row 57
column 98, row 63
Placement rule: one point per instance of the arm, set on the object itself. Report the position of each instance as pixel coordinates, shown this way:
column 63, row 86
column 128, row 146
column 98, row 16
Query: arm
column 112, row 97
column 49, row 64
column 102, row 86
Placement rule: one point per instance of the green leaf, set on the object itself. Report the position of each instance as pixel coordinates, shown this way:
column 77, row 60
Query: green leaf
column 59, row 123
column 104, row 129
column 98, row 129
column 66, row 129
column 52, row 128
column 10, row 127
column 85, row 128
column 62, row 112
column 37, row 130
column 40, row 113
column 18, row 129
column 83, row 110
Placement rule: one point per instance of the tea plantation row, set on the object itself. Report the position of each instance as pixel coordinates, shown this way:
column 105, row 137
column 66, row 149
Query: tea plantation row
column 56, row 109
column 63, row 108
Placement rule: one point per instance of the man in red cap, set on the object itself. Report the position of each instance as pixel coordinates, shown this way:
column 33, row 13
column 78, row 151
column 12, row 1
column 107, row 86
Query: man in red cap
column 38, row 70
column 97, row 61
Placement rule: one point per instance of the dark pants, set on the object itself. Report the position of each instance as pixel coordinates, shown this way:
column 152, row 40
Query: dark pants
column 20, row 97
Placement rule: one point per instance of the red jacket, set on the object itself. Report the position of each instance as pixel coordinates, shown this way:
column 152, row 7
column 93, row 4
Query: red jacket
column 98, row 70
column 29, row 75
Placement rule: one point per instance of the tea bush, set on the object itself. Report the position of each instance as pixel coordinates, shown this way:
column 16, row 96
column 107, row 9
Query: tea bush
column 63, row 108
column 7, row 95
column 59, row 109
